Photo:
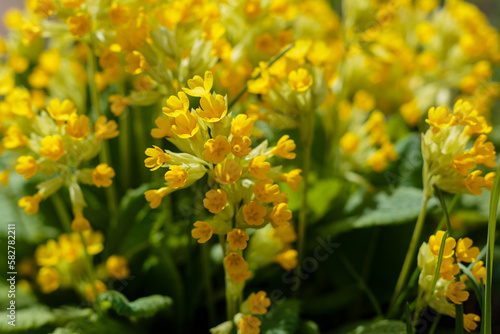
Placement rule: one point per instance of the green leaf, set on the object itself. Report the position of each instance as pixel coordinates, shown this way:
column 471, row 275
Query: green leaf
column 40, row 315
column 376, row 327
column 308, row 327
column 141, row 308
column 98, row 325
column 283, row 318
column 402, row 206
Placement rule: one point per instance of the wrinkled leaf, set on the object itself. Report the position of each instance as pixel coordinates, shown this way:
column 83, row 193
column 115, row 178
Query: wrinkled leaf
column 141, row 308
column 376, row 327
column 283, row 319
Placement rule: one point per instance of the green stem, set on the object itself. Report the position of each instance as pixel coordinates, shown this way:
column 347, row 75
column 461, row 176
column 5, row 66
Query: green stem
column 205, row 262
column 451, row 208
column 307, row 135
column 271, row 62
column 410, row 255
column 492, row 221
column 435, row 323
column 62, row 212
column 140, row 136
column 362, row 284
column 91, row 272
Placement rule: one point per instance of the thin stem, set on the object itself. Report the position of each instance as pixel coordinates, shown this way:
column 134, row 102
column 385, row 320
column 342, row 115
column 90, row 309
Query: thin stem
column 62, row 212
column 435, row 324
column 91, row 271
column 361, row 284
column 307, row 135
column 410, row 254
column 272, row 61
column 140, row 136
column 443, row 205
column 205, row 262
column 451, row 208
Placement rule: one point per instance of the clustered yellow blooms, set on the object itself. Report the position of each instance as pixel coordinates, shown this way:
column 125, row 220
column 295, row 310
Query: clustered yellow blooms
column 448, row 163
column 62, row 264
column 56, row 142
column 245, row 193
column 451, row 285
column 256, row 305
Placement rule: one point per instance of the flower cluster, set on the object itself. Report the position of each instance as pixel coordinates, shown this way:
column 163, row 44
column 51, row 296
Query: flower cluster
column 62, row 264
column 448, row 163
column 452, row 284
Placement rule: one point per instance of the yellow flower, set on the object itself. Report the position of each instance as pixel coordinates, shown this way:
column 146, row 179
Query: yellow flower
column 259, row 303
column 100, row 287
column 203, row 231
column 284, row 148
column 102, row 175
column 364, row 100
column 119, row 14
column 26, row 166
column 258, row 167
column 463, row 163
column 470, row 320
column 61, row 112
column 105, row 129
column 265, row 191
column 213, row 109
column 136, row 63
column 30, row 203
column 79, row 25
column 448, row 269
column 117, row 267
column 80, row 223
column 280, row 214
column 240, row 146
column 118, row 104
column 70, row 246
column 216, row 149
column 14, row 137
column 483, row 152
column 349, row 142
column 47, row 255
column 466, row 253
column 50, row 60
column 157, row 157
column 237, row 239
column 155, row 196
column 4, row 177
column 249, row 325
column 42, row 8
column 176, row 105
column 288, row 259
column 425, row 32
column 228, row 171
column 455, row 292
column 377, row 161
column 199, row 86
column 186, row 125
column 473, row 182
column 215, row 200
column 293, row 178
column 234, row 263
column 254, row 213
column 93, row 241
column 300, row 80
column 177, row 177
column 73, row 4
column 410, row 112
column 164, row 128
column 439, row 118
column 435, row 244
column 479, row 272
column 18, row 63
column 78, row 127
column 52, row 147
column 242, row 126
column 48, row 279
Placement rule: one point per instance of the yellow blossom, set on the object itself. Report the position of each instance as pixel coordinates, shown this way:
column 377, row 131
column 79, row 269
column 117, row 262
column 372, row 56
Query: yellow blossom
column 473, row 182
column 52, row 147
column 470, row 321
column 254, row 213
column 237, row 239
column 50, row 60
column 61, row 111
column 177, row 177
column 203, row 231
column 249, row 325
column 14, row 137
column 213, row 109
column 199, row 86
column 466, row 253
column 300, row 80
column 105, row 129
column 349, row 142
column 164, row 127
column 439, row 118
column 234, row 263
column 455, row 292
column 216, row 149
column 136, row 63
column 73, row 4
column 4, row 177
column 102, row 175
column 100, row 287
column 259, row 303
column 47, row 254
column 266, row 191
column 79, row 25
column 48, row 279
column 448, row 269
column 364, row 100
column 78, row 127
column 288, row 259
column 242, row 126
column 293, row 178
column 240, row 146
column 280, row 214
column 435, row 244
column 176, row 105
column 228, row 171
column 215, row 200
column 119, row 14
column 258, row 167
column 156, row 158
column 26, row 166
column 463, row 163
column 284, row 148
column 38, row 78
column 186, row 125
column 30, row 203
column 479, row 272
column 155, row 196
column 483, row 152
column 117, row 267
column 18, row 63
column 118, row 104
column 80, row 223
